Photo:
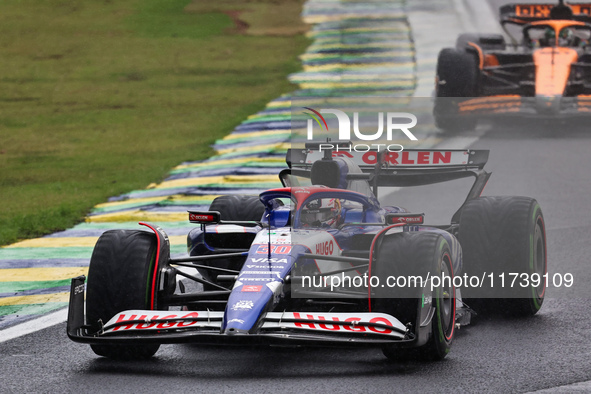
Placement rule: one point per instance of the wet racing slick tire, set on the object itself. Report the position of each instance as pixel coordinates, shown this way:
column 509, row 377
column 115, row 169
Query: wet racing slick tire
column 238, row 207
column 120, row 278
column 410, row 254
column 457, row 79
column 503, row 237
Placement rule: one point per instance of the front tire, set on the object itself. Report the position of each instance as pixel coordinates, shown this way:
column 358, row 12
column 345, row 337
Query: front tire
column 424, row 254
column 120, row 277
column 457, row 79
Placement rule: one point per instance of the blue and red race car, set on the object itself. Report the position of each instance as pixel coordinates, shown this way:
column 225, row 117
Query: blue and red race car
column 318, row 262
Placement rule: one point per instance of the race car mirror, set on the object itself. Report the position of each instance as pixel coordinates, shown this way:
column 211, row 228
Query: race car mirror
column 279, row 218
column 408, row 218
column 205, row 217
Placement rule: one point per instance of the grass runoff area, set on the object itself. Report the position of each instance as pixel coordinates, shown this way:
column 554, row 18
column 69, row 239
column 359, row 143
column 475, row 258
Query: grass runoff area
column 101, row 97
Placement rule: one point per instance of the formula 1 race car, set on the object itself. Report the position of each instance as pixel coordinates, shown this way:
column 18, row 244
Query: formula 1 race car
column 317, row 262
column 545, row 72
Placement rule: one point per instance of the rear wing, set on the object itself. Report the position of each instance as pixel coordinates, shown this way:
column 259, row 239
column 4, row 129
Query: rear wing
column 409, row 167
column 521, row 14
column 381, row 168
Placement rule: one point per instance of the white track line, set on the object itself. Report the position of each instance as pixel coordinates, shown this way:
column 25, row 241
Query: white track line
column 581, row 387
column 34, row 325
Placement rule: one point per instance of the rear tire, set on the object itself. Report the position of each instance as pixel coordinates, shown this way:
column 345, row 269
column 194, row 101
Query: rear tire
column 457, row 79
column 120, row 277
column 411, row 254
column 503, row 236
column 238, row 207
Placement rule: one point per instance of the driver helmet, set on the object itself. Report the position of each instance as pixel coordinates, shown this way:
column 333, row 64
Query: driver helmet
column 566, row 37
column 321, row 213
column 549, row 39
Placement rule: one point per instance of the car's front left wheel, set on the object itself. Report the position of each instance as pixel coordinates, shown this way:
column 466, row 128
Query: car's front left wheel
column 121, row 277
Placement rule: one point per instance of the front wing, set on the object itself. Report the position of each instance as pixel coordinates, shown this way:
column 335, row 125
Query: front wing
column 276, row 328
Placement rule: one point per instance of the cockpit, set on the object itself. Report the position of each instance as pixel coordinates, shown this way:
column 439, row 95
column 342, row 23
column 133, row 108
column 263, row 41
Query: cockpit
column 558, row 33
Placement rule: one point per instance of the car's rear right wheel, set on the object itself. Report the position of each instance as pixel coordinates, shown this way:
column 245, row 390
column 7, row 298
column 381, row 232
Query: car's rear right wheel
column 504, row 240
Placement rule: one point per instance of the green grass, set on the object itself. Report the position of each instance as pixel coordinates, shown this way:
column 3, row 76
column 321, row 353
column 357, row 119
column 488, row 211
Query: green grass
column 98, row 98
column 158, row 19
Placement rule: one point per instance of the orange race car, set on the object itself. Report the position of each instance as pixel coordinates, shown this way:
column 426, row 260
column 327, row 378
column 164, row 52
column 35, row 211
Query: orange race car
column 545, row 72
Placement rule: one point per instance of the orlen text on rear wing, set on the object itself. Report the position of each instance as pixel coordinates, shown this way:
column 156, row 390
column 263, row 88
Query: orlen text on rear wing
column 319, row 162
column 521, row 14
column 409, row 167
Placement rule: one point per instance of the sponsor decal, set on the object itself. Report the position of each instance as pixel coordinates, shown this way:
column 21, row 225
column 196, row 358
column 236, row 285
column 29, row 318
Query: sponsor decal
column 242, row 306
column 409, row 219
column 236, row 321
column 258, row 279
column 271, row 260
column 149, row 321
column 326, row 322
column 581, row 9
column 325, row 248
column 265, row 266
column 258, row 272
column 204, row 217
column 543, row 10
column 395, row 218
column 535, row 10
column 334, row 327
column 412, row 158
column 275, row 249
column 194, row 216
column 367, row 155
column 252, row 288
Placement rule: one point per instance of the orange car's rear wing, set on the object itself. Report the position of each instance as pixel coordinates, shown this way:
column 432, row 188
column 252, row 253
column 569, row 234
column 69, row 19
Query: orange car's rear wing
column 522, row 14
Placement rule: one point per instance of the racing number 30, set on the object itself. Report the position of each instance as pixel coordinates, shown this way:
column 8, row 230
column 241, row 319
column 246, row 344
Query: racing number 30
column 275, row 249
